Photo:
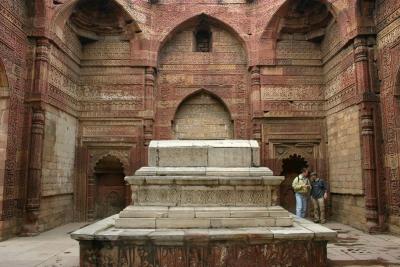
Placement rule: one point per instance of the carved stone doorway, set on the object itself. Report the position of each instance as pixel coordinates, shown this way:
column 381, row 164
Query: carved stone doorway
column 291, row 167
column 110, row 195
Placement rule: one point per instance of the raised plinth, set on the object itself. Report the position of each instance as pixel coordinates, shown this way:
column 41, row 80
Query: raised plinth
column 188, row 176
column 204, row 203
column 303, row 244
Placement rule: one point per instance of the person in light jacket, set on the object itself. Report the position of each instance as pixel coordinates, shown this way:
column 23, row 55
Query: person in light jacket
column 301, row 186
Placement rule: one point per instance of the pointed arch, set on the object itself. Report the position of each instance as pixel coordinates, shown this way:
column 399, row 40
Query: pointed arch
column 117, row 163
column 272, row 28
column 4, row 86
column 202, row 115
column 121, row 156
column 192, row 21
column 112, row 193
column 397, row 83
column 204, row 91
column 4, row 123
column 63, row 13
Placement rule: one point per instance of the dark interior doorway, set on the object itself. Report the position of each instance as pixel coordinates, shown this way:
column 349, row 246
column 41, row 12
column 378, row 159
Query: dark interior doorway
column 291, row 167
column 110, row 196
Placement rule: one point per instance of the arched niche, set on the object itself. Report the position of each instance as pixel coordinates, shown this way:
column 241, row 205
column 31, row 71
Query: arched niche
column 184, row 69
column 202, row 20
column 4, row 112
column 95, row 18
column 96, row 29
column 302, row 31
column 110, row 189
column 396, row 95
column 3, row 80
column 202, row 116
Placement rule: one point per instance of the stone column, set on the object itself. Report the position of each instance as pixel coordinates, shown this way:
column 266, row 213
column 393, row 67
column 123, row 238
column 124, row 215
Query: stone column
column 367, row 106
column 40, row 82
column 37, row 98
column 255, row 103
column 35, row 173
column 150, row 77
column 255, row 94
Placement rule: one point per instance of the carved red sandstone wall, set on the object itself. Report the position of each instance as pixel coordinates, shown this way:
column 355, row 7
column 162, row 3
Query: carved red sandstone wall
column 13, row 55
column 111, row 89
column 388, row 44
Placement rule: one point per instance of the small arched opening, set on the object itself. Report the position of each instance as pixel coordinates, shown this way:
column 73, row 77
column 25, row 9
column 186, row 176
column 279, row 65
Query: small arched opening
column 291, row 167
column 202, row 116
column 396, row 94
column 4, row 114
column 110, row 196
column 203, row 35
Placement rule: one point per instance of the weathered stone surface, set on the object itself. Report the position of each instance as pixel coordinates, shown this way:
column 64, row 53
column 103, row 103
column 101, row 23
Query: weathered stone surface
column 304, row 235
column 135, row 223
column 233, row 254
column 181, row 212
column 182, row 223
column 242, row 222
column 207, row 153
column 144, row 212
column 312, row 93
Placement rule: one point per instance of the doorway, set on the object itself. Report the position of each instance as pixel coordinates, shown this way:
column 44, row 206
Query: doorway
column 110, row 192
column 291, row 167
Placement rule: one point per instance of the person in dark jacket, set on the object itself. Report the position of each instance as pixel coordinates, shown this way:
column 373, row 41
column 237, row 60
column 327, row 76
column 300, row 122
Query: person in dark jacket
column 319, row 193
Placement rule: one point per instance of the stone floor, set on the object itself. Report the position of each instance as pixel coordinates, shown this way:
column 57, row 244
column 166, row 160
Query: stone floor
column 56, row 248
column 355, row 248
column 52, row 248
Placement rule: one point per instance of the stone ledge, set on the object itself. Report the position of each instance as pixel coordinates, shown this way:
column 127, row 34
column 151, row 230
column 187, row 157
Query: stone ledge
column 201, row 222
column 202, row 153
column 280, row 215
column 185, row 179
column 203, row 171
column 301, row 230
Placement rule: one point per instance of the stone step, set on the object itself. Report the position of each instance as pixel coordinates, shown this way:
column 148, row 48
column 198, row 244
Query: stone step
column 200, row 212
column 202, row 217
column 203, row 223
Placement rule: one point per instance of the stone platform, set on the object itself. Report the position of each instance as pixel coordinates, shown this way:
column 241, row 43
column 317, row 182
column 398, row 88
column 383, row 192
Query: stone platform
column 204, row 203
column 303, row 244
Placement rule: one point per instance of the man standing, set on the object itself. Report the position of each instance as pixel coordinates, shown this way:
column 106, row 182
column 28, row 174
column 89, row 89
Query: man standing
column 301, row 186
column 318, row 195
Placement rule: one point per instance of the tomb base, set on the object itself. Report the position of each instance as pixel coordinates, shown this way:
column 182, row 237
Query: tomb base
column 303, row 244
column 204, row 203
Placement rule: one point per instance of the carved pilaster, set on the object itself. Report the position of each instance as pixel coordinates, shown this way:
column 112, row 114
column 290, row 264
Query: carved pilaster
column 369, row 169
column 38, row 98
column 367, row 132
column 148, row 131
column 150, row 77
column 35, row 172
column 40, row 82
column 361, row 62
column 255, row 94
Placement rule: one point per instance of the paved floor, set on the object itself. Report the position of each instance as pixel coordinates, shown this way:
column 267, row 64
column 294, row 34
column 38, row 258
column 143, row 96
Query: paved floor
column 355, row 248
column 55, row 248
column 52, row 248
